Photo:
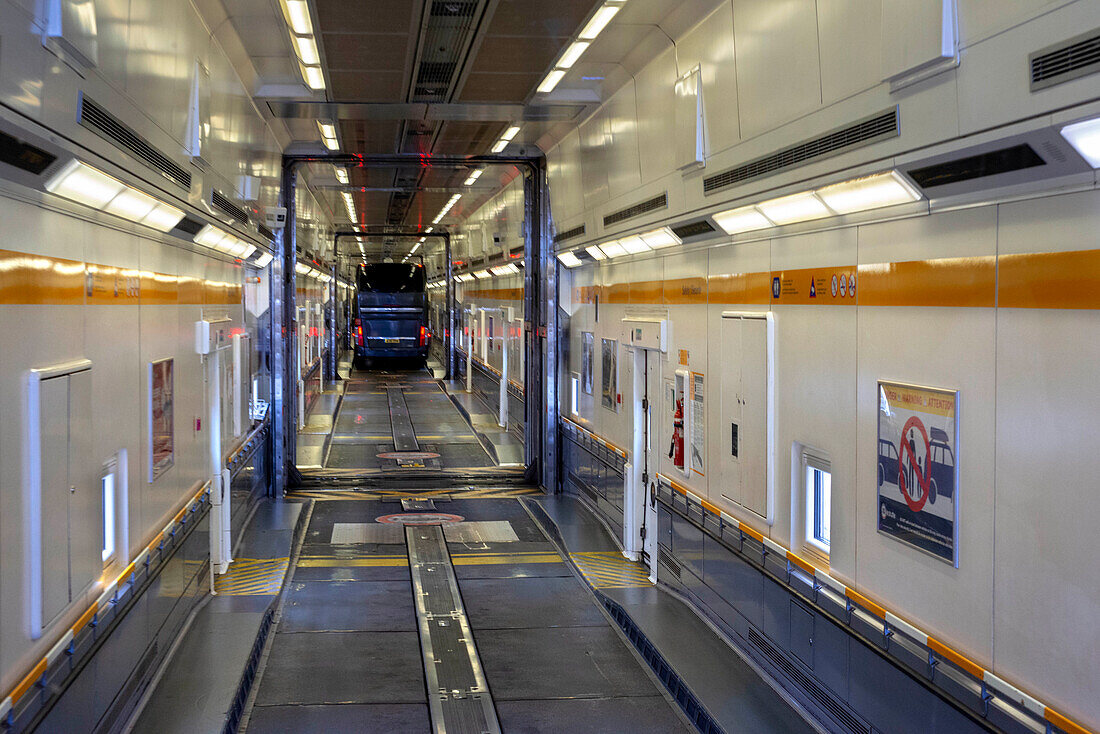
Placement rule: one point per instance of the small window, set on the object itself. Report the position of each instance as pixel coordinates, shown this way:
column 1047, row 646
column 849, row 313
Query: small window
column 575, row 389
column 107, row 487
column 818, row 503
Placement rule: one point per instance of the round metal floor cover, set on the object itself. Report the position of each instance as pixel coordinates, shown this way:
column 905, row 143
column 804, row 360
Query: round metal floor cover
column 420, row 518
column 407, row 455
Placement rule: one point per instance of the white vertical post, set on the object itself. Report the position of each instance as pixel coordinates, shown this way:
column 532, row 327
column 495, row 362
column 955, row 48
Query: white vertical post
column 502, row 419
column 219, row 489
column 634, row 492
column 470, row 357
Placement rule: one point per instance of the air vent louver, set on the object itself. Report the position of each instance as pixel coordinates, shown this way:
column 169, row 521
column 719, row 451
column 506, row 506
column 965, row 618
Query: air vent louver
column 992, row 163
column 190, row 226
column 24, row 156
column 568, row 234
column 266, row 233
column 666, row 559
column 1072, row 59
column 692, row 229
column 100, row 121
column 644, row 207
column 819, row 695
column 228, row 208
column 870, row 130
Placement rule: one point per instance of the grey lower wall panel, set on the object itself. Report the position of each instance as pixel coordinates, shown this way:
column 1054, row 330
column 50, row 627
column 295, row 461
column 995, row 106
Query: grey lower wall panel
column 589, row 477
column 103, row 693
column 486, row 386
column 833, row 672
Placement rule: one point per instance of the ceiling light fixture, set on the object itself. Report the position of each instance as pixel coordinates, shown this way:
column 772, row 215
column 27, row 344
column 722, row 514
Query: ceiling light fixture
column 595, row 252
column 663, row 237
column 314, row 77
column 1084, row 136
column 297, row 16
column 574, row 52
column 745, row 219
column 550, row 81
column 474, row 176
column 307, row 50
column 613, row 249
column 341, row 175
column 802, row 207
column 868, row 192
column 598, row 22
column 634, row 244
column 263, row 260
column 569, row 259
column 84, row 184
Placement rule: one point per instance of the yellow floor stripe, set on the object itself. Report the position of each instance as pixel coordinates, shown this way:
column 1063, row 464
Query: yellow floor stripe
column 473, row 559
column 610, row 570
column 248, row 576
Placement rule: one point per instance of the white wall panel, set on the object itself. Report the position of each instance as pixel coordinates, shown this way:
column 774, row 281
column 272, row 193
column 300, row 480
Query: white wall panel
column 849, row 32
column 778, row 76
column 623, row 171
column 22, row 60
column 710, row 46
column 656, row 125
column 595, row 139
column 979, row 19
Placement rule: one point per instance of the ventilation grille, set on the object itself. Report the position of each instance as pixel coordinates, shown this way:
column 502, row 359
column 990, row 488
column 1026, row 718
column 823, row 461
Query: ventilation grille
column 650, row 205
column 667, row 560
column 433, row 78
column 265, row 232
column 871, row 130
column 453, row 8
column 1072, row 59
column 1005, row 160
column 692, row 229
column 568, row 234
column 228, row 208
column 24, row 155
column 95, row 118
column 827, row 701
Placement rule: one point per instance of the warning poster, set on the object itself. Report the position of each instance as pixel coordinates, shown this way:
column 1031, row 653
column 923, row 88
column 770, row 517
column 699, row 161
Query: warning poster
column 162, row 443
column 917, row 473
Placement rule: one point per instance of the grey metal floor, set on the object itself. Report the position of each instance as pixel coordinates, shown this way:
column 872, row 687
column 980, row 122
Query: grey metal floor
column 345, row 655
column 375, row 411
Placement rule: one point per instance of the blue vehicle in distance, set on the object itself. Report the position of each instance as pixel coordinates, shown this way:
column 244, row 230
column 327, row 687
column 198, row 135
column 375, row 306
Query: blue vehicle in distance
column 392, row 316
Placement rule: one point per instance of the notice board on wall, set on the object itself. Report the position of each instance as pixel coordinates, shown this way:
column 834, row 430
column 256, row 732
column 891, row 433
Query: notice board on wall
column 917, row 472
column 609, row 387
column 587, row 340
column 162, row 438
column 698, row 423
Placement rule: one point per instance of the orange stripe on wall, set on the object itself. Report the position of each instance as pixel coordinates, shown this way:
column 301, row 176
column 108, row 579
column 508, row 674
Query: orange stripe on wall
column 1050, row 280
column 497, row 294
column 685, row 290
column 816, row 287
column 961, row 282
column 647, row 291
column 748, row 288
column 618, row 293
column 34, row 280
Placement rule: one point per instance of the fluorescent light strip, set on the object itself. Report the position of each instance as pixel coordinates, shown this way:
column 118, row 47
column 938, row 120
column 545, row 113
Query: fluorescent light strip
column 634, row 244
column 613, row 249
column 297, row 13
column 569, row 259
column 549, row 83
column 595, row 252
column 307, row 50
column 745, row 219
column 1084, row 136
column 314, row 77
column 87, row 185
column 868, row 192
column 263, row 260
column 474, row 176
column 663, row 237
column 599, row 21
column 574, row 52
column 341, row 174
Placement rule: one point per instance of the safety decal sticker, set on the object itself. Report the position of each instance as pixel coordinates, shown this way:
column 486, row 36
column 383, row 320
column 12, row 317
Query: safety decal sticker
column 917, row 467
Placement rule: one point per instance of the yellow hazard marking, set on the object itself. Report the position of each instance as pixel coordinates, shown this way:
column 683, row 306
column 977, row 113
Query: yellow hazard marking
column 456, row 493
column 458, row 559
column 610, row 570
column 247, row 576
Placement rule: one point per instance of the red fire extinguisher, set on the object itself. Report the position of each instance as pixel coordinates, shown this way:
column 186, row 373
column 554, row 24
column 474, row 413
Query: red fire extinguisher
column 676, row 450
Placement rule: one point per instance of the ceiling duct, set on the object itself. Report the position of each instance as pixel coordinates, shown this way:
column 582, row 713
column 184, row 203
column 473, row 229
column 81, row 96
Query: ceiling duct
column 637, row 210
column 1071, row 59
column 874, row 129
column 102, row 122
column 692, row 229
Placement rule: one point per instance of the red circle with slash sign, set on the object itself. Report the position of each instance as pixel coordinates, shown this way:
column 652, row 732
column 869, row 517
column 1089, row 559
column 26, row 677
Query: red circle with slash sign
column 922, row 478
column 420, row 518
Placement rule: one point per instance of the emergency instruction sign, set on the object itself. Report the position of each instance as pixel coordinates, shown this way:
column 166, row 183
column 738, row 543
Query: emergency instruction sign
column 917, row 473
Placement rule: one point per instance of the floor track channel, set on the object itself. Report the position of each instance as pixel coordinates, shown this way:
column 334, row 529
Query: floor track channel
column 404, row 436
column 458, row 693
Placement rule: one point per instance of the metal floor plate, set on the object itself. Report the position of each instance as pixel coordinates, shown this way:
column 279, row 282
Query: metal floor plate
column 458, row 694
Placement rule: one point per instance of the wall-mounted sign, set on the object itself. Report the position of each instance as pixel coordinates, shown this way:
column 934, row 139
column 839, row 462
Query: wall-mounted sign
column 587, row 346
column 698, row 423
column 917, row 473
column 162, row 438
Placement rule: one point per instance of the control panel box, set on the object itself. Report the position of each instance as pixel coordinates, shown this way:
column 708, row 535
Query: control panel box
column 212, row 335
column 645, row 333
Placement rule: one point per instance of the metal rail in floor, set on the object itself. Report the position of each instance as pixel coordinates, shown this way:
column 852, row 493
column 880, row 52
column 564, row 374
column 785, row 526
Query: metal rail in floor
column 346, row 652
column 383, row 414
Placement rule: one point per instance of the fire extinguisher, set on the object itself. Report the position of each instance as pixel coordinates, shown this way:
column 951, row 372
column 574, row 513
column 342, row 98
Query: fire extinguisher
column 676, row 450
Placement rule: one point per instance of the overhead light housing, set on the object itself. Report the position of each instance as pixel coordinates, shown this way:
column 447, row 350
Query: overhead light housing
column 574, row 52
column 263, row 260
column 297, row 16
column 634, row 244
column 307, row 50
column 328, row 130
column 1085, row 138
column 613, row 249
column 499, row 146
column 550, row 81
column 595, row 252
column 868, row 192
column 209, row 236
column 568, row 259
column 662, row 237
column 474, row 176
column 87, row 185
column 482, row 274
column 598, row 22
column 745, row 219
column 341, row 174
column 510, row 133
column 314, row 77
column 802, row 207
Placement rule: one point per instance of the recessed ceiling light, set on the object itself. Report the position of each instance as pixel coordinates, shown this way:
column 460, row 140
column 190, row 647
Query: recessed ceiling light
column 568, row 259
column 595, row 252
column 574, row 52
column 315, row 78
column 801, row 207
column 550, row 81
column 868, row 192
column 745, row 219
column 1085, row 138
column 297, row 12
column 307, row 50
column 599, row 21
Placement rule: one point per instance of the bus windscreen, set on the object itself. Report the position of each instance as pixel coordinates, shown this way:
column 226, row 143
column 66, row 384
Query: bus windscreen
column 390, row 278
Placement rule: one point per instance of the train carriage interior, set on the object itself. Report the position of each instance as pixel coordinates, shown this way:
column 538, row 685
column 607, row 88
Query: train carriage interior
column 477, row 366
